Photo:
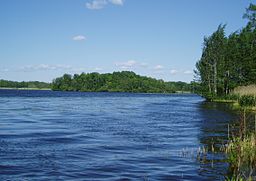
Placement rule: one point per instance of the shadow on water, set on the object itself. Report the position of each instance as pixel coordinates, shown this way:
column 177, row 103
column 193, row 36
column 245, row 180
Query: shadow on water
column 217, row 119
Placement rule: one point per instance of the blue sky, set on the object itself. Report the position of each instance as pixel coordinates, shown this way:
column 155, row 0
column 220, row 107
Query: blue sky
column 41, row 40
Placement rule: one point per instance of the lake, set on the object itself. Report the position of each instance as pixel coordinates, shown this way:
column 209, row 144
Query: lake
column 46, row 135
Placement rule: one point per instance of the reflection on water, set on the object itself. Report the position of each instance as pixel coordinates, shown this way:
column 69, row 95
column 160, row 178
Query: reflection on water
column 47, row 135
column 216, row 117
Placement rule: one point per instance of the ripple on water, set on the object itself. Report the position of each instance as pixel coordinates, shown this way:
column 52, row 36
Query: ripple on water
column 48, row 135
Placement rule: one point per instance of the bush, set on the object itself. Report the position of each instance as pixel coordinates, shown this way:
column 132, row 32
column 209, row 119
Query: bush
column 209, row 96
column 233, row 97
column 247, row 101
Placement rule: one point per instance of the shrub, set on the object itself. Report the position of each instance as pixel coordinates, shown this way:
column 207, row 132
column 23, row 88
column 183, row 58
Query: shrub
column 233, row 97
column 247, row 101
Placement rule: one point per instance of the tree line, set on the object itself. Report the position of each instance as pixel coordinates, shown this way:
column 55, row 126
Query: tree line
column 228, row 61
column 125, row 81
column 23, row 84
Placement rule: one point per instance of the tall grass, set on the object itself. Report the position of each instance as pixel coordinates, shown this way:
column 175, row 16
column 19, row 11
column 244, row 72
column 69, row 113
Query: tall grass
column 241, row 149
column 242, row 157
column 243, row 97
column 245, row 90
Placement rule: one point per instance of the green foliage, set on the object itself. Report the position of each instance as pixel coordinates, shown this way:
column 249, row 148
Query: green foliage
column 247, row 101
column 228, row 61
column 242, row 157
column 209, row 96
column 233, row 97
column 124, row 81
column 251, row 14
column 30, row 84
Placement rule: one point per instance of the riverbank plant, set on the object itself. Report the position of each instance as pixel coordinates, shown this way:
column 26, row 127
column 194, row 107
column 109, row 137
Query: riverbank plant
column 241, row 148
column 247, row 101
column 239, row 102
column 245, row 90
column 242, row 157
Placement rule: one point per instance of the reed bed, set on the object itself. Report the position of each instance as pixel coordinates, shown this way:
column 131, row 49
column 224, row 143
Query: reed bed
column 241, row 147
column 242, row 157
column 245, row 90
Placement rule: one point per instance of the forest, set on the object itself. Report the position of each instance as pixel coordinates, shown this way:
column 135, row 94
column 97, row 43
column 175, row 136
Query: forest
column 228, row 61
column 23, row 84
column 125, row 81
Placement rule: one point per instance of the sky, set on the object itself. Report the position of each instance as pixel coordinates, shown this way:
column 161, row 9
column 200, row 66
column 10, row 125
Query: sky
column 43, row 39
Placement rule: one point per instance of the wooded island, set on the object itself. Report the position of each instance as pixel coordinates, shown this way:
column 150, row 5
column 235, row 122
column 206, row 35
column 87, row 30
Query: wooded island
column 125, row 81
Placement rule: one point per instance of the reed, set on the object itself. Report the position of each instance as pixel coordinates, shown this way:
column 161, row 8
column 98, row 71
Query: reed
column 241, row 149
column 245, row 90
column 242, row 157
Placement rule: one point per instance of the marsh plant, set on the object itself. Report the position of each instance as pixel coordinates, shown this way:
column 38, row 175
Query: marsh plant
column 242, row 157
column 241, row 149
column 245, row 90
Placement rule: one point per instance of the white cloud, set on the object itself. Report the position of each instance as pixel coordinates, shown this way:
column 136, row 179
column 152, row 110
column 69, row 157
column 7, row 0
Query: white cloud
column 188, row 72
column 96, row 4
column 4, row 70
column 77, row 70
column 143, row 64
column 79, row 38
column 127, row 65
column 173, row 71
column 131, row 64
column 117, row 2
column 44, row 67
column 158, row 67
column 98, row 69
column 60, row 66
column 100, row 4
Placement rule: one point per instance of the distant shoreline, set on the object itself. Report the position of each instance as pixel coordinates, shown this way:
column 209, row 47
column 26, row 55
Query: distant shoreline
column 12, row 88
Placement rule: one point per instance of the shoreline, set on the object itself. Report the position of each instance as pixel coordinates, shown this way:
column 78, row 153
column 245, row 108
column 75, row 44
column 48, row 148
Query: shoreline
column 234, row 105
column 12, row 88
column 177, row 92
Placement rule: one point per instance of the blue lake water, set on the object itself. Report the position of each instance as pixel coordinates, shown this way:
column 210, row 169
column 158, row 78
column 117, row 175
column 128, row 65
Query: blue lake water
column 46, row 135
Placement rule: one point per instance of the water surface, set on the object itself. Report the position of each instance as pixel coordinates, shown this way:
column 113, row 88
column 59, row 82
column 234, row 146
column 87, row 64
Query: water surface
column 47, row 135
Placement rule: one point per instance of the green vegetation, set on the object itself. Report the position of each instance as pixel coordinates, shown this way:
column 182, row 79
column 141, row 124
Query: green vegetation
column 247, row 101
column 226, row 72
column 242, row 157
column 124, row 81
column 241, row 149
column 24, row 85
column 228, row 61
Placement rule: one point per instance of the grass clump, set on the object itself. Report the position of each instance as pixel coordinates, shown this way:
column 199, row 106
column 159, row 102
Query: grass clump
column 242, row 157
column 241, row 150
